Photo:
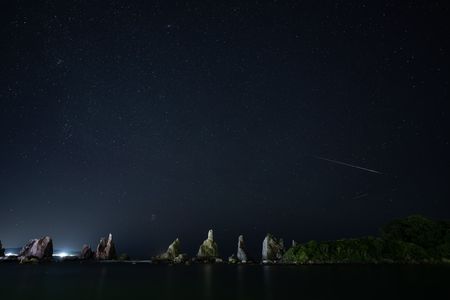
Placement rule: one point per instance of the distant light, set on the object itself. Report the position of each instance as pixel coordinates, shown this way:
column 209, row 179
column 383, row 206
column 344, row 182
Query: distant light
column 10, row 254
column 62, row 254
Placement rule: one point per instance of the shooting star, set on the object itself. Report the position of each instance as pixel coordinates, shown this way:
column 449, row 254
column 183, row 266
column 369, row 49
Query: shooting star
column 360, row 196
column 346, row 164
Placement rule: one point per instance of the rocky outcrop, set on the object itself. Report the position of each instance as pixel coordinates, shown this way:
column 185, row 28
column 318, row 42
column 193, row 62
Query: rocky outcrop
column 232, row 259
column 106, row 249
column 172, row 251
column 41, row 249
column 2, row 251
column 172, row 255
column 272, row 249
column 180, row 258
column 86, row 253
column 27, row 260
column 209, row 248
column 241, row 252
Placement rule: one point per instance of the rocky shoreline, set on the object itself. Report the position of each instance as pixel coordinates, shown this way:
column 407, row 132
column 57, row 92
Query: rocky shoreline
column 413, row 240
column 41, row 251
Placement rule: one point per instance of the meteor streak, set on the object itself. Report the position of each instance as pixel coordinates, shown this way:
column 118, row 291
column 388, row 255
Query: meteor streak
column 346, row 164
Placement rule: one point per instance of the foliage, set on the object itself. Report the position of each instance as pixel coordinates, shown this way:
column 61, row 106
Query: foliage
column 411, row 240
column 416, row 229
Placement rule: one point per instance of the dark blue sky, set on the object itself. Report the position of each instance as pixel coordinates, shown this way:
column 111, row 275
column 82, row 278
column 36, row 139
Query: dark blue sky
column 161, row 119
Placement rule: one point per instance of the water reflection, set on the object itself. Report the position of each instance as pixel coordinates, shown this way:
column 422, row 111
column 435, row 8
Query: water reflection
column 240, row 281
column 267, row 276
column 207, row 281
column 145, row 281
column 101, row 282
column 171, row 283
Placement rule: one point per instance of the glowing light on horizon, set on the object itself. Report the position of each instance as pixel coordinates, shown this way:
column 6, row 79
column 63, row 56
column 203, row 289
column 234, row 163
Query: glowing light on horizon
column 62, row 254
column 10, row 254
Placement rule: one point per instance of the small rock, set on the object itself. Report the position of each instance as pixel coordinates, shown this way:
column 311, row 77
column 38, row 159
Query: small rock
column 232, row 259
column 180, row 259
column 86, row 253
column 28, row 260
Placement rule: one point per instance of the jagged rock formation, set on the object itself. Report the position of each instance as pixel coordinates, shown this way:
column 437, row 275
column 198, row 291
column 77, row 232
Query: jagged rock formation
column 41, row 249
column 241, row 253
column 272, row 249
column 106, row 249
column 172, row 251
column 209, row 248
column 2, row 251
column 86, row 253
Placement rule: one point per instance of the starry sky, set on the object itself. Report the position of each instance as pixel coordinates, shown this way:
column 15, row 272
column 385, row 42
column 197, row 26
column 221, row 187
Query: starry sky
column 161, row 119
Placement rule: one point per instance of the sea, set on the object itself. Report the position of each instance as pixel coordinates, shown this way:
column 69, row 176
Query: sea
column 75, row 280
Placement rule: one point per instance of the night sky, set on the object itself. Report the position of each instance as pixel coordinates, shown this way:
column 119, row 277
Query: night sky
column 157, row 119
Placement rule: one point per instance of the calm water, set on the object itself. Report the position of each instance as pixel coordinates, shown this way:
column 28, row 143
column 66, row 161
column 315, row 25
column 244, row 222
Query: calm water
column 144, row 281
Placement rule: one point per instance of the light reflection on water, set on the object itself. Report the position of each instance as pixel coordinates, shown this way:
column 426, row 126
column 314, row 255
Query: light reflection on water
column 267, row 282
column 240, row 269
column 207, row 280
column 101, row 281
